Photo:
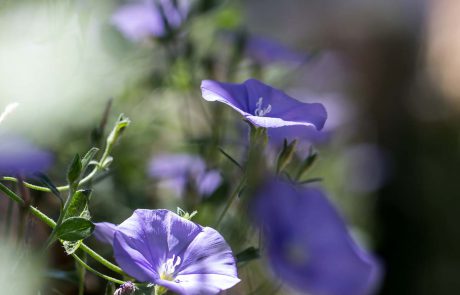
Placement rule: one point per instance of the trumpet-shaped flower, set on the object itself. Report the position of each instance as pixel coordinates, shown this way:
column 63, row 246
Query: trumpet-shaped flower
column 150, row 18
column 177, row 171
column 20, row 157
column 308, row 244
column 159, row 247
column 265, row 106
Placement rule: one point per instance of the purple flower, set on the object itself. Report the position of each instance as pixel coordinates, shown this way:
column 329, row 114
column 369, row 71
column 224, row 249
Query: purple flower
column 150, row 18
column 159, row 247
column 308, row 244
column 265, row 106
column 178, row 171
column 20, row 157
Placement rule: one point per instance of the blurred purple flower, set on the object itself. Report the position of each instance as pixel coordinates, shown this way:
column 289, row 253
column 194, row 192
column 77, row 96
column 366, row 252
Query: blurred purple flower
column 140, row 19
column 159, row 247
column 308, row 245
column 265, row 51
column 265, row 106
column 177, row 171
column 18, row 157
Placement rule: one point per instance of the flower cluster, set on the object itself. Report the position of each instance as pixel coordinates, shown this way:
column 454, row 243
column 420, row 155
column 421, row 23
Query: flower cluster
column 179, row 171
column 301, row 236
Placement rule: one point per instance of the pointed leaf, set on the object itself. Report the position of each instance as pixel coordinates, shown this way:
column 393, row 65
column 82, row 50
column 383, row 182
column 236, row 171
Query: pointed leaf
column 89, row 156
column 78, row 205
column 49, row 184
column 71, row 247
column 73, row 174
column 74, row 229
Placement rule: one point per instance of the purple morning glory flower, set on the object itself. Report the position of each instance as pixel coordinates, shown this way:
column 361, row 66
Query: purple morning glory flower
column 265, row 106
column 308, row 244
column 20, row 157
column 159, row 247
column 150, row 18
column 177, row 171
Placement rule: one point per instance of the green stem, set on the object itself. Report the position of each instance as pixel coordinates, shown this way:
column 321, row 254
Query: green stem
column 59, row 188
column 86, row 266
column 231, row 200
column 101, row 259
column 51, row 223
column 81, row 270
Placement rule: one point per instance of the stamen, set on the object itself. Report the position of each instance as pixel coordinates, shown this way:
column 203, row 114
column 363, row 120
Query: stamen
column 167, row 269
column 260, row 111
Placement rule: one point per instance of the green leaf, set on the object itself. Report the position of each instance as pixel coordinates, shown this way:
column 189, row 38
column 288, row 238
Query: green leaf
column 122, row 123
column 71, row 247
column 75, row 169
column 307, row 163
column 49, row 184
column 286, row 155
column 230, row 158
column 78, row 205
column 89, row 156
column 75, row 229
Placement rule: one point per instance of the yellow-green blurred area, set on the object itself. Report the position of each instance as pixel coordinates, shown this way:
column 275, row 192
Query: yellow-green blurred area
column 19, row 270
column 388, row 73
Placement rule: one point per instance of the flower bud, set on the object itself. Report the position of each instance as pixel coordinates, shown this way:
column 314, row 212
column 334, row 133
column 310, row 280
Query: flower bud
column 285, row 156
column 127, row 288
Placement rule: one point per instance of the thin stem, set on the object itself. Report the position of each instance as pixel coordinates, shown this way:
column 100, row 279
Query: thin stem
column 231, row 200
column 59, row 188
column 81, row 275
column 101, row 259
column 86, row 266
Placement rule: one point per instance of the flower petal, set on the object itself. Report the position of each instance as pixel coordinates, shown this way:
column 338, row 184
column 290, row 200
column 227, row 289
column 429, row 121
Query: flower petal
column 148, row 238
column 199, row 284
column 20, row 157
column 208, row 182
column 208, row 253
column 105, row 232
column 253, row 97
column 308, row 243
column 285, row 110
column 207, row 267
column 233, row 95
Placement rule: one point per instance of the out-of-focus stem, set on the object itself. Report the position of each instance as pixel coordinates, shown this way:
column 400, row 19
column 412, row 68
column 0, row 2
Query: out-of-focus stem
column 231, row 200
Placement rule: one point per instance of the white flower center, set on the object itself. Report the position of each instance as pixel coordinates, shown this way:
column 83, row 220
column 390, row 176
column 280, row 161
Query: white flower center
column 168, row 269
column 260, row 111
